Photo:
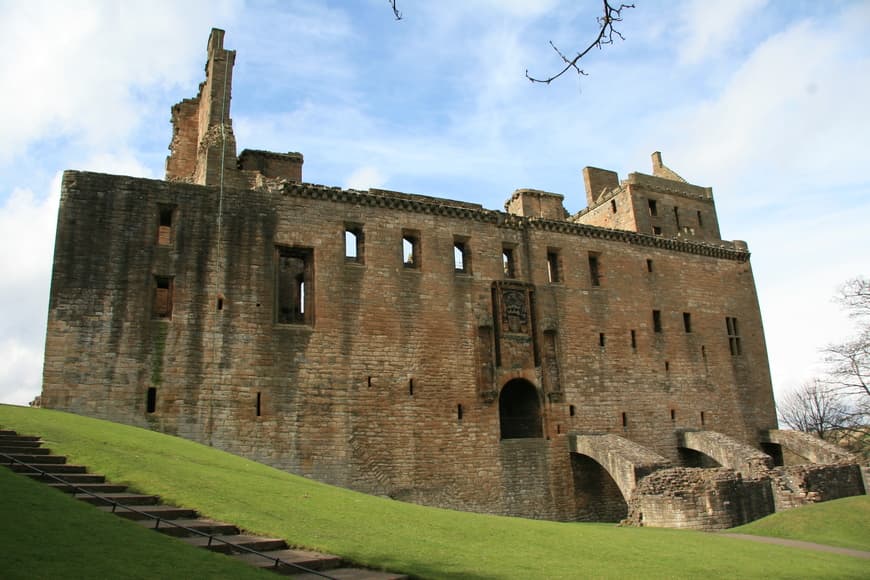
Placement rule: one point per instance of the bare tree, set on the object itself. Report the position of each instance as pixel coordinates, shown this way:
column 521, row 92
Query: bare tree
column 816, row 408
column 850, row 360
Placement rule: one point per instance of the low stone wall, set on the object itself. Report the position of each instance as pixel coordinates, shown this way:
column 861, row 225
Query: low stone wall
column 701, row 499
column 798, row 485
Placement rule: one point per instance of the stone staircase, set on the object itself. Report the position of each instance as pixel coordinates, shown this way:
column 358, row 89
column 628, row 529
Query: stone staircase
column 37, row 462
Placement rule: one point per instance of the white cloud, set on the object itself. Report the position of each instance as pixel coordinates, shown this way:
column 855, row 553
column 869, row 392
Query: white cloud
column 707, row 28
column 364, row 178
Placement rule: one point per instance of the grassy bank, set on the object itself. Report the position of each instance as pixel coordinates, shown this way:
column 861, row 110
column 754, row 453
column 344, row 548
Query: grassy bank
column 426, row 542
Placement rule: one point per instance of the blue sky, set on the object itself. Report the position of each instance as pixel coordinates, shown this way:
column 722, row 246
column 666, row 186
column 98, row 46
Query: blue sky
column 766, row 102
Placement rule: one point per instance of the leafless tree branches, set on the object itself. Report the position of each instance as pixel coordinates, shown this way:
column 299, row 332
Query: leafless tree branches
column 395, row 8
column 606, row 33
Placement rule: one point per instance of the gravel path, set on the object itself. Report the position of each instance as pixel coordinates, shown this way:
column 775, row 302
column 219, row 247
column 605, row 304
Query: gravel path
column 800, row 544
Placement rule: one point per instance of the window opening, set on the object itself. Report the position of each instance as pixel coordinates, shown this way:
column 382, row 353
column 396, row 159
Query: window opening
column 733, row 335
column 258, row 403
column 519, row 411
column 601, row 339
column 411, row 249
column 295, row 289
column 572, row 410
column 613, row 205
column 703, row 351
column 459, row 412
column 649, row 266
column 657, row 231
column 164, row 227
column 677, row 216
column 687, row 321
column 151, row 400
column 353, row 243
column 700, row 220
column 369, row 381
column 673, row 415
column 624, row 420
column 508, row 262
column 461, row 257
column 653, row 208
column 702, row 418
column 667, row 366
column 553, row 273
column 633, row 340
column 220, row 303
column 162, row 297
column 657, row 320
column 594, row 269
column 411, row 387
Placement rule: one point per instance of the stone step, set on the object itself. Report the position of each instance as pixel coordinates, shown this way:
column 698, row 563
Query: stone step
column 305, row 558
column 217, row 544
column 17, row 442
column 20, row 449
column 54, row 468
column 166, row 526
column 167, row 512
column 13, row 436
column 76, row 478
column 351, row 574
column 76, row 487
column 38, row 459
column 131, row 499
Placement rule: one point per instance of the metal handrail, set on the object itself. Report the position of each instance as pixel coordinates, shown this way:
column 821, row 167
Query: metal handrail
column 115, row 504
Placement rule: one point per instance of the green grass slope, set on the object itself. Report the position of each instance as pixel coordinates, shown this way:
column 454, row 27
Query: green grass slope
column 46, row 534
column 426, row 542
column 843, row 522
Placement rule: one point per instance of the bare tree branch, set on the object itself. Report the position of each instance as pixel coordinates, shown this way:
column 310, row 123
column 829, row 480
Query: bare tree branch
column 606, row 33
column 854, row 296
column 395, row 8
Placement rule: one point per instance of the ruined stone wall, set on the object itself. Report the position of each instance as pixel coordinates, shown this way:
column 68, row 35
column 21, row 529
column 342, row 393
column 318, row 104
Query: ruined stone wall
column 797, row 485
column 389, row 381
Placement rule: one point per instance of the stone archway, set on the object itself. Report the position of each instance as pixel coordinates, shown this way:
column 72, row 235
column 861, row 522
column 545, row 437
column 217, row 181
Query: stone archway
column 519, row 411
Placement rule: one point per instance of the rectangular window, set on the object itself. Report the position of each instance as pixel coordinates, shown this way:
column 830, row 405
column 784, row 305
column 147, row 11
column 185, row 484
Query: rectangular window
column 151, row 400
column 162, row 308
column 653, row 208
column 700, row 221
column 509, row 262
column 294, row 286
column 554, row 273
column 613, row 205
column 657, row 231
column 677, row 217
column 594, row 269
column 461, row 256
column 353, row 243
column 687, row 321
column 411, row 252
column 633, row 340
column 649, row 266
column 165, row 221
column 601, row 339
column 733, row 335
column 657, row 320
column 259, row 401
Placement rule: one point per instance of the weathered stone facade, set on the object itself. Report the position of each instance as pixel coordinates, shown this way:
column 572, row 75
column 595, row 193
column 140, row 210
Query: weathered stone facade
column 425, row 349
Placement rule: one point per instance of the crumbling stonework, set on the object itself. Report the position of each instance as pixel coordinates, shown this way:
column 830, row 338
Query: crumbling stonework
column 798, row 485
column 523, row 362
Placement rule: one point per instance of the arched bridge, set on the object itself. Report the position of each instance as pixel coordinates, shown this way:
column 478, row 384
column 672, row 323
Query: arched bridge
column 726, row 451
column 626, row 461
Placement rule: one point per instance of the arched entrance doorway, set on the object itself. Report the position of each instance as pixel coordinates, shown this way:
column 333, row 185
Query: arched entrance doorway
column 519, row 410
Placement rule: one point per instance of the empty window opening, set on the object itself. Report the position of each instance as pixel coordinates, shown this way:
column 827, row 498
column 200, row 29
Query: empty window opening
column 667, row 366
column 259, row 399
column 519, row 410
column 677, row 216
column 353, row 243
column 295, row 286
column 369, row 382
column 601, row 339
column 633, row 340
column 554, row 274
column 624, row 420
column 703, row 351
column 653, row 207
column 700, row 220
column 673, row 415
column 649, row 266
column 411, row 256
column 166, row 214
column 151, row 400
column 162, row 297
column 703, row 419
column 411, row 387
column 461, row 256
column 733, row 335
column 657, row 231
column 594, row 269
column 508, row 262
column 572, row 410
column 687, row 321
column 657, row 320
column 558, row 428
column 459, row 412
column 220, row 302
column 613, row 205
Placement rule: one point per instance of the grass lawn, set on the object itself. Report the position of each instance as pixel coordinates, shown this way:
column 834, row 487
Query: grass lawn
column 45, row 534
column 425, row 542
column 843, row 522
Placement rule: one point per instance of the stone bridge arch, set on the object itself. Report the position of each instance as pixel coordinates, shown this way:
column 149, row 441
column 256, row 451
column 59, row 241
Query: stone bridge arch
column 805, row 446
column 726, row 451
column 625, row 461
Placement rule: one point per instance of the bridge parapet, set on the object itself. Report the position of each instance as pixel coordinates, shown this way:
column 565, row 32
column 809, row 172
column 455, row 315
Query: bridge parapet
column 727, row 451
column 626, row 461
